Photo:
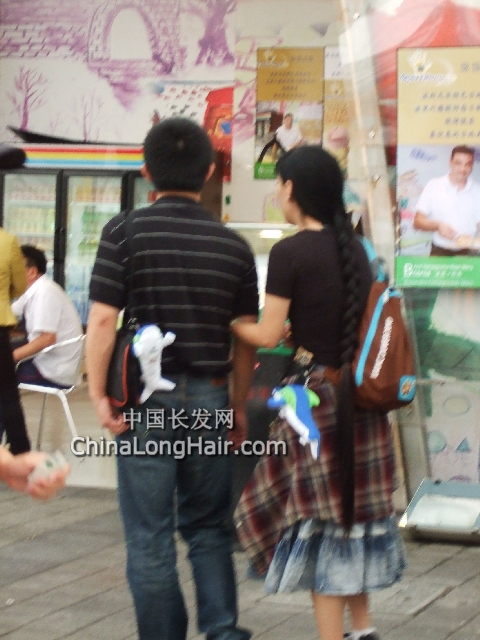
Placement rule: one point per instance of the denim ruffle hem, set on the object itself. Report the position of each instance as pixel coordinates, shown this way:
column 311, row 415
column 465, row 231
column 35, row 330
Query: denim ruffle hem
column 316, row 555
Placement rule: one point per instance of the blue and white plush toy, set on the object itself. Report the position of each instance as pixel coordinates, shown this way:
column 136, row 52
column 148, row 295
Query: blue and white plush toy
column 295, row 402
column 148, row 344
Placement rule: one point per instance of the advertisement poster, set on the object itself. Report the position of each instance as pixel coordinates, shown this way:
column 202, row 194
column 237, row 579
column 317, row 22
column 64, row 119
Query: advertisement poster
column 438, row 167
column 289, row 108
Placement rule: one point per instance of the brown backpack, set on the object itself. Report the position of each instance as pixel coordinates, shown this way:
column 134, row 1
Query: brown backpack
column 383, row 367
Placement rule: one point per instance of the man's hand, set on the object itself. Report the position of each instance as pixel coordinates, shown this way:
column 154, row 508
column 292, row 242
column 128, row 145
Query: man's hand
column 30, row 349
column 446, row 231
column 238, row 434
column 109, row 418
column 101, row 330
column 15, row 470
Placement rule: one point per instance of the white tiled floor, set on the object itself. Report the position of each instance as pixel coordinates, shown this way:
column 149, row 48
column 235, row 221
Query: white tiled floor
column 92, row 471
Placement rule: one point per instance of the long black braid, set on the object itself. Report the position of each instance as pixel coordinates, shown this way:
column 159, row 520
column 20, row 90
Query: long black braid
column 318, row 190
column 345, row 443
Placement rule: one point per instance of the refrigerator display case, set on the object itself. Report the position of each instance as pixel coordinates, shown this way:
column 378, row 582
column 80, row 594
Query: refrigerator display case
column 91, row 201
column 29, row 210
column 61, row 200
column 141, row 192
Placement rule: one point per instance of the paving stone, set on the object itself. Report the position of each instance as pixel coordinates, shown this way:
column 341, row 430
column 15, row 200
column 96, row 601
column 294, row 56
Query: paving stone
column 299, row 600
column 30, row 530
column 8, row 496
column 63, row 574
column 424, row 556
column 410, row 596
column 49, row 550
column 23, row 613
column 470, row 631
column 298, row 626
column 118, row 626
column 265, row 617
column 249, row 593
column 72, row 619
column 456, row 570
column 411, row 630
column 447, row 617
column 386, row 622
column 67, row 580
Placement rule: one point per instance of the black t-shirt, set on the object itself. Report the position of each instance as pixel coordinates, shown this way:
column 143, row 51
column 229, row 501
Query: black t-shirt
column 191, row 275
column 305, row 268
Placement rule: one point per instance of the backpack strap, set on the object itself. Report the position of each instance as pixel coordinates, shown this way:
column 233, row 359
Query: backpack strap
column 377, row 264
column 128, row 314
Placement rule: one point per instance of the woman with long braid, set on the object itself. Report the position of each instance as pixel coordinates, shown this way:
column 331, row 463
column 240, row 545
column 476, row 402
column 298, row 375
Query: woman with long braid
column 325, row 525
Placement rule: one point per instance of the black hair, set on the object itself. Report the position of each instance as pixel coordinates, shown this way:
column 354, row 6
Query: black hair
column 463, row 149
column 34, row 257
column 317, row 188
column 178, row 154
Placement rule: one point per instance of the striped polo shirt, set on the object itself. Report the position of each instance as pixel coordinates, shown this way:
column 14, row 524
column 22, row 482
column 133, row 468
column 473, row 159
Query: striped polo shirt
column 190, row 275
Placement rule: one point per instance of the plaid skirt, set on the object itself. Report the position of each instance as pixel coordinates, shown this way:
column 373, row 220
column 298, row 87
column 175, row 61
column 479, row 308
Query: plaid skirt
column 317, row 556
column 294, row 487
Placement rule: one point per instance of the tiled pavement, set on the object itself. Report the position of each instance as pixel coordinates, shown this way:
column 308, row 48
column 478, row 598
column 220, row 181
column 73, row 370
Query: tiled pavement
column 62, row 576
column 62, row 570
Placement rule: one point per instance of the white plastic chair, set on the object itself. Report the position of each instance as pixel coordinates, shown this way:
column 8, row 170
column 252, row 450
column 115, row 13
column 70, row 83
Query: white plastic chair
column 60, row 393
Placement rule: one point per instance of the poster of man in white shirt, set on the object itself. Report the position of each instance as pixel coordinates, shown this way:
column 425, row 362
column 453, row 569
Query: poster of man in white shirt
column 287, row 136
column 449, row 207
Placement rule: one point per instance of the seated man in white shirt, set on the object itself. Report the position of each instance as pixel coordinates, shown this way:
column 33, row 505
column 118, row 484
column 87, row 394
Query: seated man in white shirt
column 50, row 317
column 449, row 206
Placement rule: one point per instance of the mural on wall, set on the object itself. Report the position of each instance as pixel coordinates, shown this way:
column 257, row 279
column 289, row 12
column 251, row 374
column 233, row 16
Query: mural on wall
column 27, row 94
column 107, row 69
column 213, row 45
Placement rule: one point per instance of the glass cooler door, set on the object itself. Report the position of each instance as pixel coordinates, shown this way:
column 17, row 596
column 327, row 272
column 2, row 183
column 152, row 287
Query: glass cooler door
column 91, row 202
column 143, row 193
column 29, row 210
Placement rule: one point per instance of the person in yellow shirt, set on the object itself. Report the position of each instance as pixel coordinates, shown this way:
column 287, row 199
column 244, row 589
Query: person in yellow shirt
column 12, row 285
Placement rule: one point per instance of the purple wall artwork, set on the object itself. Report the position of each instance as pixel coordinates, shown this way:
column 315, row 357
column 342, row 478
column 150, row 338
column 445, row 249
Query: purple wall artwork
column 94, row 69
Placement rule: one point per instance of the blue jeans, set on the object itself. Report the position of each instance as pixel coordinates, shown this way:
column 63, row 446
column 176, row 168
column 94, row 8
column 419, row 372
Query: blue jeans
column 159, row 493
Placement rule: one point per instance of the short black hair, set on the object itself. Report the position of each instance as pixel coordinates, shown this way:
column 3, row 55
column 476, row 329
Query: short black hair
column 470, row 151
column 34, row 257
column 178, row 154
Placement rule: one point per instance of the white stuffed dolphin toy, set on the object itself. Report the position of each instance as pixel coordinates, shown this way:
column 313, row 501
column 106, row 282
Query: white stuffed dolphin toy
column 148, row 344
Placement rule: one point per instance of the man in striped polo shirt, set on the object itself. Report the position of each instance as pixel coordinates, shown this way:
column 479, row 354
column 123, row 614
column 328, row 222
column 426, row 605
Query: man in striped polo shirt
column 190, row 275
